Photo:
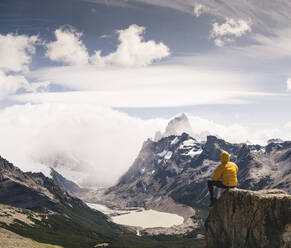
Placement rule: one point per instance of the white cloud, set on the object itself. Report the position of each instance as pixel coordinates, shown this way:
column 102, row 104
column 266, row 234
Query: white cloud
column 199, row 9
column 288, row 84
column 105, row 141
column 68, row 47
column 237, row 133
column 231, row 27
column 16, row 52
column 10, row 84
column 226, row 32
column 132, row 50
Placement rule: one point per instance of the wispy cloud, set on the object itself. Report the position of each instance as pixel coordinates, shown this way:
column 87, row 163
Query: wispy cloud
column 266, row 15
column 288, row 83
column 145, row 78
column 199, row 9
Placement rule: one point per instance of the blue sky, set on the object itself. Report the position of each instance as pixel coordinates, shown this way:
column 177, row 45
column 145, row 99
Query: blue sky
column 141, row 62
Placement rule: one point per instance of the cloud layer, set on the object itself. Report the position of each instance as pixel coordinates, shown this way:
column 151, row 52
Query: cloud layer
column 94, row 145
column 89, row 144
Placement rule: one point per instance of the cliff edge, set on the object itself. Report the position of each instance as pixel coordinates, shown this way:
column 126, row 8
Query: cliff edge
column 250, row 219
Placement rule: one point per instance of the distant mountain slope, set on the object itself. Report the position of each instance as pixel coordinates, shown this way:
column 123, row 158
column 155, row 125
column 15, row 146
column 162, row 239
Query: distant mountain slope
column 67, row 185
column 178, row 167
column 31, row 190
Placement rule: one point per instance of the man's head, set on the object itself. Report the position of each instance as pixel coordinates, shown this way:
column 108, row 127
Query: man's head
column 224, row 157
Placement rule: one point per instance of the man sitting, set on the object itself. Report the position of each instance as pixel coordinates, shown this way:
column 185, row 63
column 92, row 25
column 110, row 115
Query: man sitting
column 225, row 176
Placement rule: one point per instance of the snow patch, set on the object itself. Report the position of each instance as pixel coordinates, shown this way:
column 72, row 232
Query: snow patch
column 193, row 153
column 187, row 143
column 174, row 141
column 163, row 153
column 168, row 155
column 262, row 150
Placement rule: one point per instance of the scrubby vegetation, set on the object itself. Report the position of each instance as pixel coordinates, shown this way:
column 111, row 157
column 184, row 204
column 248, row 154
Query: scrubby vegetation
column 81, row 227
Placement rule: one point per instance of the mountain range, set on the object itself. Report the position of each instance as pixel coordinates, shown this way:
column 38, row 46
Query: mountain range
column 178, row 166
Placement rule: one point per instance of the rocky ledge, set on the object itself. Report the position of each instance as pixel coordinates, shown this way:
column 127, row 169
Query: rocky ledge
column 250, row 219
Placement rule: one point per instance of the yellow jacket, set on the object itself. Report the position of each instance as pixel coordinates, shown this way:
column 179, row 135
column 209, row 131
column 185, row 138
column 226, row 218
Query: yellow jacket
column 226, row 171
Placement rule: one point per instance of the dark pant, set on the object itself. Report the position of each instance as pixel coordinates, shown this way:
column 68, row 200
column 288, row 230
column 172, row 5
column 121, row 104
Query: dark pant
column 219, row 184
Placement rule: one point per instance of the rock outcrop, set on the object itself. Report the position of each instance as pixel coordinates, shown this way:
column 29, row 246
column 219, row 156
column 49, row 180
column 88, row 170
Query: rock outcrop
column 250, row 219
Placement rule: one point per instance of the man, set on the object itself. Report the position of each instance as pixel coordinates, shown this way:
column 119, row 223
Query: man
column 225, row 176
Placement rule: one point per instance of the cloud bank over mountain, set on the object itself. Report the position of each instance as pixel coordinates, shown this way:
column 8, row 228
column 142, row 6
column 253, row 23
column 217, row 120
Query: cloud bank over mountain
column 94, row 145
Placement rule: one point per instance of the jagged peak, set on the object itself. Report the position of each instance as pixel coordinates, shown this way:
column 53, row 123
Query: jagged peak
column 176, row 126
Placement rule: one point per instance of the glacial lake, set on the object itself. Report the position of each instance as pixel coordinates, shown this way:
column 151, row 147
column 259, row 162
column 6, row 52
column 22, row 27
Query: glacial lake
column 141, row 218
column 148, row 219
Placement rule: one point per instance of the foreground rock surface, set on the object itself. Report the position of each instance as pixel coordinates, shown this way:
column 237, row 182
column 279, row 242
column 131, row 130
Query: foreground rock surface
column 250, row 219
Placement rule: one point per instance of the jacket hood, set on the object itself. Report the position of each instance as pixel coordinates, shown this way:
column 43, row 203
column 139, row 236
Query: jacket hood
column 224, row 157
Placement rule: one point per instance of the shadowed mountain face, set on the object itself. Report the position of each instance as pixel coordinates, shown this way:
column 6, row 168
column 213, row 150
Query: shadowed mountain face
column 178, row 166
column 67, row 185
column 31, row 190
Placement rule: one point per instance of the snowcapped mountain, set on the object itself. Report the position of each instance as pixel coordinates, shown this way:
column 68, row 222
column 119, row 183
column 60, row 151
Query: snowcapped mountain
column 178, row 166
column 178, row 125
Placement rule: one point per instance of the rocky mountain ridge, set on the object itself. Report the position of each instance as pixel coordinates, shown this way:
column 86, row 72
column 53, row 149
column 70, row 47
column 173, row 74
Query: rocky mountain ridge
column 178, row 167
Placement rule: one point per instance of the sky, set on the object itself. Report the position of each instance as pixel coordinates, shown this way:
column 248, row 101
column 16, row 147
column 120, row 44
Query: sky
column 83, row 83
